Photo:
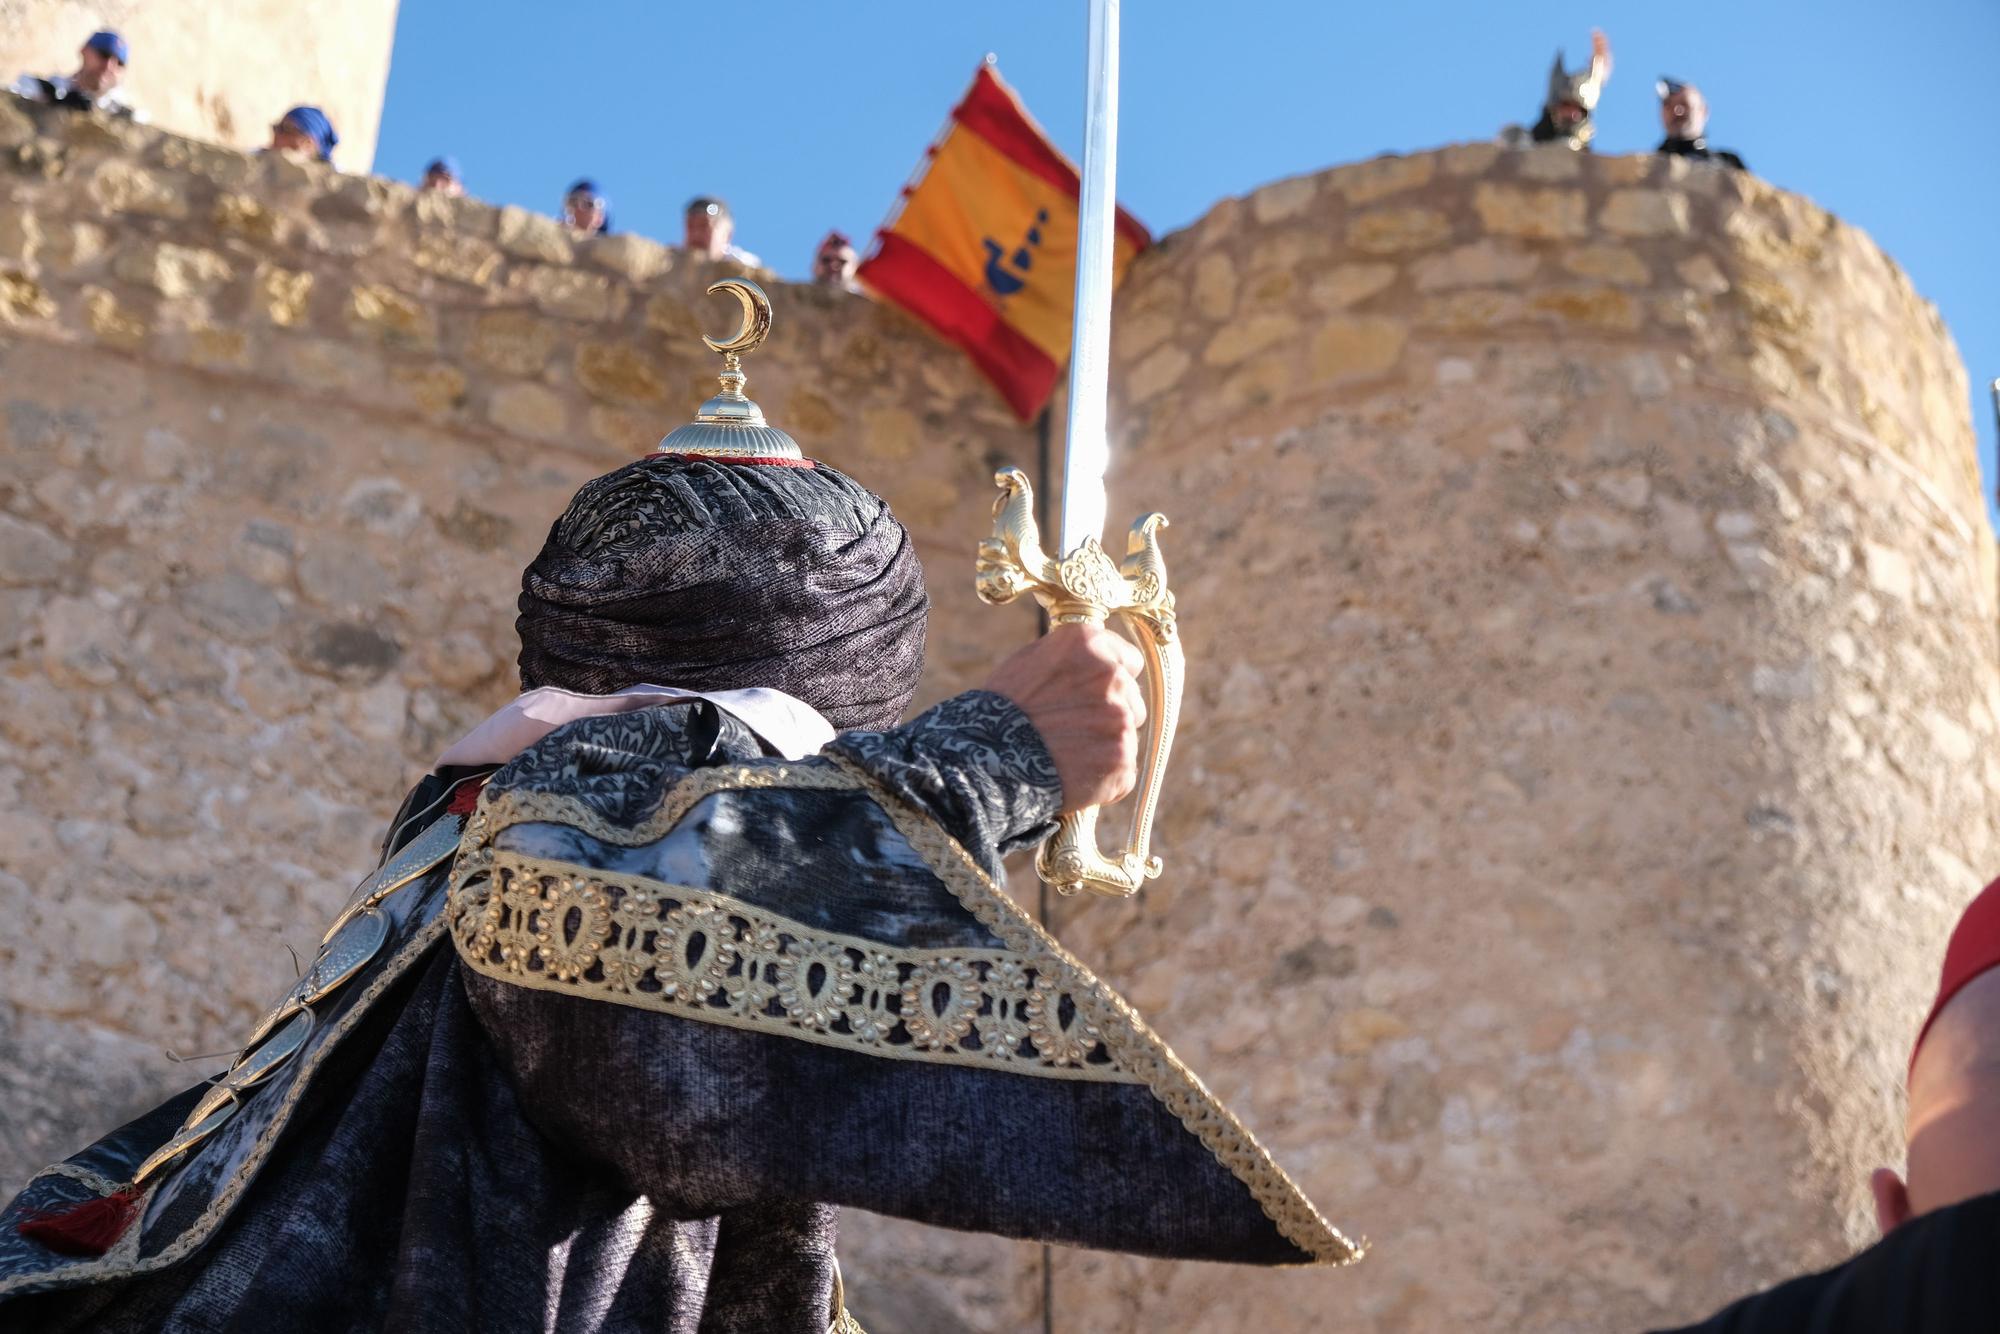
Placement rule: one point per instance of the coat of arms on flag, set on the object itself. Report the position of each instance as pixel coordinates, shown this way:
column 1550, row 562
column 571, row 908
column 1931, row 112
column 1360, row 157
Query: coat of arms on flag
column 983, row 245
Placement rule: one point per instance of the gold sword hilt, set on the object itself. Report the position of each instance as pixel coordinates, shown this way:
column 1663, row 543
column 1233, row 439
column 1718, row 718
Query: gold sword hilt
column 1088, row 587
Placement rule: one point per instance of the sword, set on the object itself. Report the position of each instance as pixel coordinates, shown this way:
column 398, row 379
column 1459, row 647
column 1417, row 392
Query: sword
column 1085, row 585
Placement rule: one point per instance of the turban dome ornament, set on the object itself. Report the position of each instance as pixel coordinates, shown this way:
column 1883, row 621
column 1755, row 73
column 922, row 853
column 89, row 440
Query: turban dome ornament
column 730, row 426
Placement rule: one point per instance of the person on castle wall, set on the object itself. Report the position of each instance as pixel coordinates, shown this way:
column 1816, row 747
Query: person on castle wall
column 1569, row 109
column 1937, row 1268
column 687, row 947
column 94, row 87
column 304, row 132
column 834, row 263
column 586, row 210
column 442, row 176
column 709, row 230
column 1684, row 116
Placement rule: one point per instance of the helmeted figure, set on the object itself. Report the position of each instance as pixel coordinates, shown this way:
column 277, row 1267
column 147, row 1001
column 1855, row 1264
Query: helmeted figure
column 1684, row 116
column 1568, row 109
column 683, row 949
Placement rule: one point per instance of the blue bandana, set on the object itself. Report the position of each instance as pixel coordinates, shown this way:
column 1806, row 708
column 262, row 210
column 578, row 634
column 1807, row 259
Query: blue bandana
column 108, row 43
column 312, row 122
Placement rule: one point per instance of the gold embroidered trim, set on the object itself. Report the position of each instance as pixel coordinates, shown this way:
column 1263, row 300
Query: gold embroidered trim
column 674, row 949
column 122, row 1260
column 1134, row 1049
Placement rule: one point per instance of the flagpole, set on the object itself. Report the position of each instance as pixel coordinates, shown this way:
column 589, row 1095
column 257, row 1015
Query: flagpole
column 1087, row 448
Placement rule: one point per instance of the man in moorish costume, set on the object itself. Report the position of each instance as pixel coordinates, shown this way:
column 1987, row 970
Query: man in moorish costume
column 1569, row 109
column 685, row 948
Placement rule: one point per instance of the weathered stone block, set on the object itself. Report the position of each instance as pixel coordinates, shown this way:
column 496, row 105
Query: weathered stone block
column 464, row 259
column 280, row 295
column 20, row 234
column 1471, row 310
column 173, row 271
column 1385, row 231
column 1138, row 334
column 667, row 313
column 74, row 245
column 234, row 606
column 1366, row 182
column 634, row 258
column 1157, row 373
column 1275, row 203
column 15, row 127
column 22, row 298
column 1646, row 213
column 215, row 348
column 112, row 323
column 435, row 389
column 1484, row 263
column 528, row 409
column 518, row 342
column 1215, row 286
column 227, row 168
column 1541, row 215
column 29, row 553
column 1247, row 337
column 362, row 199
column 1549, row 162
column 1598, row 307
column 891, row 433
column 626, row 432
column 619, row 372
column 1355, row 347
column 245, row 216
column 534, row 236
column 1347, row 285
column 120, row 185
column 1468, row 159
column 580, row 296
column 391, row 316
column 323, row 363
column 1607, row 264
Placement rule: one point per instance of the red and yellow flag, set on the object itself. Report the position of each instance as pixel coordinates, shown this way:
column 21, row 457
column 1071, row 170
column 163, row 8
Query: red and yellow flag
column 983, row 248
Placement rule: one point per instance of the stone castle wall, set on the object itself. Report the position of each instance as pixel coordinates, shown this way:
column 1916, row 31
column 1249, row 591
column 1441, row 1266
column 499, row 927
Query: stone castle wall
column 224, row 72
column 277, row 444
column 1588, row 595
column 1593, row 603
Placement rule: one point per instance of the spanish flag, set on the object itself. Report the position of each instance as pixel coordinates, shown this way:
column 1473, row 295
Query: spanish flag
column 983, row 245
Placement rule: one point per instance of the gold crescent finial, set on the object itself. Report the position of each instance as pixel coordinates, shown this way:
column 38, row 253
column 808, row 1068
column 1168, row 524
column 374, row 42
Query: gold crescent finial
column 756, row 326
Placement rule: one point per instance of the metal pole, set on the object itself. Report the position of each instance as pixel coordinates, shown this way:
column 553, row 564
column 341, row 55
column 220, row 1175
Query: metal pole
column 1996, row 430
column 1086, row 446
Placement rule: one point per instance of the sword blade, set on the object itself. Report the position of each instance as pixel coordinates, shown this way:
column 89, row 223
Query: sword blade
column 1086, row 445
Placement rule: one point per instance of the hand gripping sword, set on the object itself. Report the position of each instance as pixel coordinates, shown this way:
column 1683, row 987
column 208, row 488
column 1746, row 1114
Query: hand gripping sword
column 1085, row 585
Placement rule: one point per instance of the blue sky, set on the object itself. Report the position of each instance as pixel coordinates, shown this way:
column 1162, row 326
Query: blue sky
column 807, row 115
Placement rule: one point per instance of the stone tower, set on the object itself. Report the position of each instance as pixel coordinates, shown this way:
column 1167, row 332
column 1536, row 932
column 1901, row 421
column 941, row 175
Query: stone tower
column 1590, row 611
column 1594, row 600
column 224, row 72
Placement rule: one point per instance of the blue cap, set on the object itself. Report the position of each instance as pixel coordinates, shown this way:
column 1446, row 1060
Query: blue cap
column 585, row 186
column 312, row 122
column 109, row 43
column 447, row 164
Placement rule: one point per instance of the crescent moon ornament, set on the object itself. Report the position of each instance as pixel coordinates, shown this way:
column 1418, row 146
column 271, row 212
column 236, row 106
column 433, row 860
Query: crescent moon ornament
column 756, row 326
column 729, row 426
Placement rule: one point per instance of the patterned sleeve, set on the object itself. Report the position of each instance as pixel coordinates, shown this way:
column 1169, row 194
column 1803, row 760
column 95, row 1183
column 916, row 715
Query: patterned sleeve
column 974, row 763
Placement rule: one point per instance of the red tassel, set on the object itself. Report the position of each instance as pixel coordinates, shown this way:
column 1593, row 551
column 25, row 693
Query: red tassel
column 466, row 799
column 90, row 1228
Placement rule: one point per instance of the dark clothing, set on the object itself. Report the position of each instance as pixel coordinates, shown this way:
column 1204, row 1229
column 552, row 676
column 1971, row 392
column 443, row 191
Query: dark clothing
column 1699, row 150
column 1936, row 1274
column 693, row 998
column 718, row 576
